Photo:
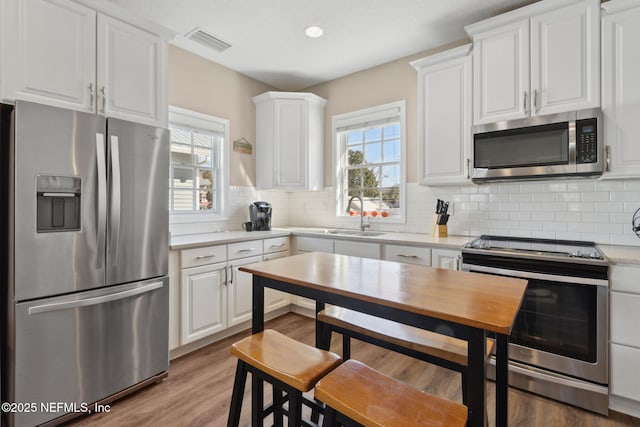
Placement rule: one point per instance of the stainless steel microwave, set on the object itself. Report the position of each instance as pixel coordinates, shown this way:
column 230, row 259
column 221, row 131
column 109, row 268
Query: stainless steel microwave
column 559, row 145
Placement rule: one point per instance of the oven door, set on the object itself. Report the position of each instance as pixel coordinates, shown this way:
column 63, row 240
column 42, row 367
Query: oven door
column 562, row 324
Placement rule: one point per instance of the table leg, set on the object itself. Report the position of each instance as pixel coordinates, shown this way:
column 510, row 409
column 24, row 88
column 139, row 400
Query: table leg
column 257, row 325
column 321, row 330
column 257, row 315
column 476, row 378
column 502, row 380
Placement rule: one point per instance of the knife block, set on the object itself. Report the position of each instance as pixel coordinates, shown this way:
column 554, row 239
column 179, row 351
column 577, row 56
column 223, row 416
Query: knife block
column 442, row 231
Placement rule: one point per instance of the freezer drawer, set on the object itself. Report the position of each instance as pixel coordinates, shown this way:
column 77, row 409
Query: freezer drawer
column 84, row 347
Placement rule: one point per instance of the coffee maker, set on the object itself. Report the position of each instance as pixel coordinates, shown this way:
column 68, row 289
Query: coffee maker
column 260, row 216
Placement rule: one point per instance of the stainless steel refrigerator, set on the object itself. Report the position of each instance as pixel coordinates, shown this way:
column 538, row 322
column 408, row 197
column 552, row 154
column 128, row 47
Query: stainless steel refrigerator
column 85, row 253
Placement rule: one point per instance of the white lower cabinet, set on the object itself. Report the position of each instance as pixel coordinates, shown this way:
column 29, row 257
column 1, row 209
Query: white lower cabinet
column 625, row 340
column 239, row 291
column 204, row 302
column 361, row 249
column 215, row 294
column 273, row 299
column 445, row 258
column 407, row 254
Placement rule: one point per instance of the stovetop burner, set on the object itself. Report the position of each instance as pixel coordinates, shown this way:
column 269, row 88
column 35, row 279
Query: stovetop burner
column 558, row 250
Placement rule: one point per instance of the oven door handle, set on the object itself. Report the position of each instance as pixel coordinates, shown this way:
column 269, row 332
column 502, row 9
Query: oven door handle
column 538, row 276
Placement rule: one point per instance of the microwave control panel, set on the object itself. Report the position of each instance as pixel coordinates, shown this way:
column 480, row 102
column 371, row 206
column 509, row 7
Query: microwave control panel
column 586, row 141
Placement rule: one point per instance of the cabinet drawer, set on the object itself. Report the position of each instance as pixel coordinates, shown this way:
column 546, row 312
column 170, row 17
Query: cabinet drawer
column 625, row 318
column 625, row 375
column 361, row 249
column 624, row 278
column 203, row 256
column 244, row 249
column 277, row 244
column 407, row 254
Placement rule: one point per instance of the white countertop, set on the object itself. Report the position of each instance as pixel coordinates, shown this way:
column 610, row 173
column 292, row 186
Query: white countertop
column 621, row 254
column 615, row 254
column 206, row 239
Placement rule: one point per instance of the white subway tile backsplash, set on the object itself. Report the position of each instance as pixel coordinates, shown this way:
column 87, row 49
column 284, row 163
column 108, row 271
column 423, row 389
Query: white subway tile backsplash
column 577, row 210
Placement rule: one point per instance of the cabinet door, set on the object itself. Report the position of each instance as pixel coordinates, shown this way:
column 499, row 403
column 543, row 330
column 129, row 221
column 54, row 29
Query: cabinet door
column 444, row 258
column 621, row 92
column 239, row 291
column 275, row 299
column 203, row 302
column 444, row 99
column 290, row 144
column 501, row 73
column 625, row 374
column 565, row 59
column 55, row 59
column 130, row 73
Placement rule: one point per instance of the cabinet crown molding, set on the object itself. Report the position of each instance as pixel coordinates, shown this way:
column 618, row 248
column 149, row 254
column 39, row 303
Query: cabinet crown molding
column 289, row 95
column 129, row 17
column 458, row 52
column 520, row 14
column 615, row 6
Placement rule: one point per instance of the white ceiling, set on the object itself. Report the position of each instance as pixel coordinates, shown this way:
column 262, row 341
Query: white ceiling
column 268, row 41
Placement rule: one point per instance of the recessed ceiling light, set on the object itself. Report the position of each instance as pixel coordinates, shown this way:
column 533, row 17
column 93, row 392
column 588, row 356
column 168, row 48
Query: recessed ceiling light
column 314, row 32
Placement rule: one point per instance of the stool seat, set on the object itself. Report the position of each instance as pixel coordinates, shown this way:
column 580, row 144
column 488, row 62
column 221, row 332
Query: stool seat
column 292, row 362
column 373, row 399
column 423, row 341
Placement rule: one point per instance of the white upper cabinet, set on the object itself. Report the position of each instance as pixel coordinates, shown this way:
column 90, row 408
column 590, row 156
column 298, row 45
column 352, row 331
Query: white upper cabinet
column 48, row 53
column 62, row 53
column 130, row 77
column 537, row 60
column 289, row 141
column 621, row 87
column 444, row 117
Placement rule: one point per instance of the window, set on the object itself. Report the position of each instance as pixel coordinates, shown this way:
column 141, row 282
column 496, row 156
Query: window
column 198, row 172
column 370, row 150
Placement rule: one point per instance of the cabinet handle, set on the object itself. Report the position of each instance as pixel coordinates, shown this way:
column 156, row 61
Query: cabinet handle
column 457, row 262
column 535, row 101
column 200, row 257
column 524, row 105
column 246, row 250
column 407, row 256
column 231, row 270
column 468, row 168
column 226, row 276
column 607, row 150
column 278, row 245
column 91, row 95
column 103, row 90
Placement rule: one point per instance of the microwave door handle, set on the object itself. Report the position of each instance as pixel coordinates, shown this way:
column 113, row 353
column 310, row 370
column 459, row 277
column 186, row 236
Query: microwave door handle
column 102, row 198
column 115, row 199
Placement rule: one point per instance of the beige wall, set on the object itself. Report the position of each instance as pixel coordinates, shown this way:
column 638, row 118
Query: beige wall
column 200, row 85
column 390, row 82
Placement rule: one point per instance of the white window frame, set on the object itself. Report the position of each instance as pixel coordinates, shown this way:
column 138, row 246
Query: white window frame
column 361, row 118
column 196, row 120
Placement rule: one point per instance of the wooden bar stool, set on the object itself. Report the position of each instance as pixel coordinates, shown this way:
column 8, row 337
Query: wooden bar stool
column 288, row 365
column 431, row 347
column 355, row 392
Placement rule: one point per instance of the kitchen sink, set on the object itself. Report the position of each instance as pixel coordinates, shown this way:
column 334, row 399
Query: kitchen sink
column 353, row 233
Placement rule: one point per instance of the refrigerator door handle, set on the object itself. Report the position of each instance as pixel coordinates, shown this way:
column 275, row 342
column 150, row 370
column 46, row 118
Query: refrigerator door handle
column 67, row 305
column 102, row 198
column 115, row 199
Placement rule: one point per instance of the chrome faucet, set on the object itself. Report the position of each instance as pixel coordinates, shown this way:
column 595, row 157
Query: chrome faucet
column 363, row 226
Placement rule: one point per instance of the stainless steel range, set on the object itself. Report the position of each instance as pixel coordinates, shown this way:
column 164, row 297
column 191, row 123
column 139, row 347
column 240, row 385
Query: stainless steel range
column 558, row 347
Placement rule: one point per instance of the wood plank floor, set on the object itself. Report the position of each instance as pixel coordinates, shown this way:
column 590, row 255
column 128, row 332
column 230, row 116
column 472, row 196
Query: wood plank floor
column 198, row 389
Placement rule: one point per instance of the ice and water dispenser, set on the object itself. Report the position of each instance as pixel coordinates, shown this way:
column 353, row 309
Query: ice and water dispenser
column 58, row 203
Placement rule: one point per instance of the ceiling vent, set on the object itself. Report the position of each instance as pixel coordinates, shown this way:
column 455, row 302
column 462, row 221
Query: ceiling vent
column 198, row 35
